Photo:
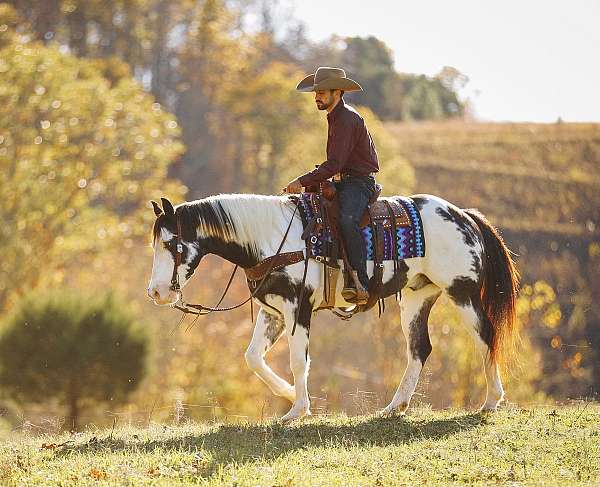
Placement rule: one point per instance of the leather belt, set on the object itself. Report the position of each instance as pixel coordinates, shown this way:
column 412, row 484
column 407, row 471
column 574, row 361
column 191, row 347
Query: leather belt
column 341, row 176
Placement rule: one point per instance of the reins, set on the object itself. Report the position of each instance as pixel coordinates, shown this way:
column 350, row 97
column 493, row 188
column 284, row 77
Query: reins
column 200, row 309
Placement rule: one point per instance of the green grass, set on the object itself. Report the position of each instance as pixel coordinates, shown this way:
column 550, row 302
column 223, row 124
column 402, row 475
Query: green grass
column 533, row 446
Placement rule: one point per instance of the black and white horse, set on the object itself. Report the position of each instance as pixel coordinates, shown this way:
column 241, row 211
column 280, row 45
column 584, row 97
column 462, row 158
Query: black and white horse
column 466, row 259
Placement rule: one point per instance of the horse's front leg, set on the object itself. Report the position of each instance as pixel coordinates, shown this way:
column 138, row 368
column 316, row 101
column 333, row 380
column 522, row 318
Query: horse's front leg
column 299, row 359
column 268, row 329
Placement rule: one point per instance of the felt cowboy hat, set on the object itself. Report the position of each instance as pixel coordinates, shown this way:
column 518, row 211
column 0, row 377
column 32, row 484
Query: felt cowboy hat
column 328, row 79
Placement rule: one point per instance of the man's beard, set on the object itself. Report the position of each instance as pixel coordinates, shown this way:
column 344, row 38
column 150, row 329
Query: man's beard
column 324, row 106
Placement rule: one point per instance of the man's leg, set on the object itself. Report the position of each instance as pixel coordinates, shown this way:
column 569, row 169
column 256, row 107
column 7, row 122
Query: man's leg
column 354, row 195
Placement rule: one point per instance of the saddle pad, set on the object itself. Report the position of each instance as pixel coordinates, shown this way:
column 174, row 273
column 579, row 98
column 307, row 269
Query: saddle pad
column 379, row 211
column 411, row 242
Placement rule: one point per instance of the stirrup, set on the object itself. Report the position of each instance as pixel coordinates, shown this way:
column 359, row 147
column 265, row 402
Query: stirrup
column 351, row 295
column 357, row 294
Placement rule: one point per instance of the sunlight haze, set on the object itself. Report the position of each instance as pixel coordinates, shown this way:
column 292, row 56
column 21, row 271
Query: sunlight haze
column 527, row 61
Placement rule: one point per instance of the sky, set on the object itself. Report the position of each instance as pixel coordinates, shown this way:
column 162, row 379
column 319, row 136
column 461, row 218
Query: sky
column 527, row 60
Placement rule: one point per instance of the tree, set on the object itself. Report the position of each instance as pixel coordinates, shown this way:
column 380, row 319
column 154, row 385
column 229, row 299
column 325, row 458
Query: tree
column 210, row 64
column 82, row 149
column 390, row 94
column 371, row 61
column 75, row 349
column 282, row 134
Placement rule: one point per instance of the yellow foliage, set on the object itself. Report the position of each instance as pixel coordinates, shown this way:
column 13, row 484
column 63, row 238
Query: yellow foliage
column 280, row 134
column 552, row 316
column 79, row 158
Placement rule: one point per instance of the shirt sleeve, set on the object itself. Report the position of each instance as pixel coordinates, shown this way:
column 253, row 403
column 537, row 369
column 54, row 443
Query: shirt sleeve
column 321, row 173
column 339, row 149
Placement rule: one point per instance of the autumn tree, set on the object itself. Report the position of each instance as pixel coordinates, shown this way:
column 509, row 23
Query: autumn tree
column 210, row 60
column 82, row 148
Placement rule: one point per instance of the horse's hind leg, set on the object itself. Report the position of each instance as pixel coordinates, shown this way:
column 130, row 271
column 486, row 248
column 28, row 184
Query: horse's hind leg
column 467, row 298
column 267, row 331
column 415, row 306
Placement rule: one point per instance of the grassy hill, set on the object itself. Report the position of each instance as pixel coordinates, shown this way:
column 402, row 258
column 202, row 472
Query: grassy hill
column 540, row 184
column 536, row 177
column 537, row 446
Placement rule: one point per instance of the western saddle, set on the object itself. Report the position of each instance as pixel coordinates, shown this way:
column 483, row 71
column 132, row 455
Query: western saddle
column 380, row 215
column 324, row 243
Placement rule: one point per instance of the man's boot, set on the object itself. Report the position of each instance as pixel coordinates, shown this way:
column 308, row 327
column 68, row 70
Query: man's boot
column 357, row 294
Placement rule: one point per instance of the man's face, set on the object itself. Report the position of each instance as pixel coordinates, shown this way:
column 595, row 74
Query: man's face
column 324, row 98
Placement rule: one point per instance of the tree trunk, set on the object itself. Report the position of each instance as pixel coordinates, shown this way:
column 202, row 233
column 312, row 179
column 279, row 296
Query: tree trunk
column 73, row 403
column 78, row 31
column 46, row 22
column 160, row 64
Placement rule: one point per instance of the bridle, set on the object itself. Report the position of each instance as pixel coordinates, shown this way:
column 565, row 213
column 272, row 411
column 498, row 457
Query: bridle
column 200, row 309
column 178, row 255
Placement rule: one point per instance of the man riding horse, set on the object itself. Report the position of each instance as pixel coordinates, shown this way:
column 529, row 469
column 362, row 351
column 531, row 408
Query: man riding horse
column 351, row 161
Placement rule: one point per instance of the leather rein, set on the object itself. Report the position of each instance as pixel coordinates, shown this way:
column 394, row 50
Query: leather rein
column 200, row 309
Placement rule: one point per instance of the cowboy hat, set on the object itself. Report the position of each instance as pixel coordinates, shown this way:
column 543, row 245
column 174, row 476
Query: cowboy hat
column 328, row 79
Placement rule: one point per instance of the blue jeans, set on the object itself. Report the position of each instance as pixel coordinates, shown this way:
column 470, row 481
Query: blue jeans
column 354, row 193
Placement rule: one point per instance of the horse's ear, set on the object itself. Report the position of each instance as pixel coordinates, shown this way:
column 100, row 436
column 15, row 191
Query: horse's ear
column 157, row 209
column 167, row 207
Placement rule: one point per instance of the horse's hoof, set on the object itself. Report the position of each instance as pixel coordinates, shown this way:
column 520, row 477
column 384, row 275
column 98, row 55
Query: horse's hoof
column 293, row 415
column 488, row 409
column 391, row 412
column 388, row 414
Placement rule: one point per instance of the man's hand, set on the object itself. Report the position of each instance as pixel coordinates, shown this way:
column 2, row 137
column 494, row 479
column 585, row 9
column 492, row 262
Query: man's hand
column 294, row 187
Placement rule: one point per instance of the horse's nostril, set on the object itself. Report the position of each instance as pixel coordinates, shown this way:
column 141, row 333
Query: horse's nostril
column 153, row 293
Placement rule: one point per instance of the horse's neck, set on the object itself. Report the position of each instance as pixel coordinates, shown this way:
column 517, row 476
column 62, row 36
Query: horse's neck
column 259, row 224
column 236, row 253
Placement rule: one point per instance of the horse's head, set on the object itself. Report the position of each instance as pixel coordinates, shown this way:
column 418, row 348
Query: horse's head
column 177, row 252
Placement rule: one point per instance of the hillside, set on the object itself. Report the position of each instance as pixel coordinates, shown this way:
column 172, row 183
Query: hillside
column 540, row 184
column 535, row 177
column 537, row 446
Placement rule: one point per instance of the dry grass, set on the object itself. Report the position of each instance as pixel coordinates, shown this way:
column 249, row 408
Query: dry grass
column 537, row 446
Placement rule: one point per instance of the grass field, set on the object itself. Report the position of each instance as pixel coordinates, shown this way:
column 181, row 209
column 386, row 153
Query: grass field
column 523, row 176
column 534, row 446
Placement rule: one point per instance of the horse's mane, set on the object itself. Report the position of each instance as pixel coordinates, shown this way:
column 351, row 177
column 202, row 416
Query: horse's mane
column 243, row 218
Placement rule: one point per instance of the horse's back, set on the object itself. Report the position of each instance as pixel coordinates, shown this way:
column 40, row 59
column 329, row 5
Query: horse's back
column 452, row 240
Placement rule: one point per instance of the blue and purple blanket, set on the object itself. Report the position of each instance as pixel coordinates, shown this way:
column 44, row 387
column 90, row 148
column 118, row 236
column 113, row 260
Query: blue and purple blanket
column 410, row 240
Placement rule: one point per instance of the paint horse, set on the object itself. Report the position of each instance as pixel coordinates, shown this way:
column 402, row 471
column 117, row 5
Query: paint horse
column 466, row 259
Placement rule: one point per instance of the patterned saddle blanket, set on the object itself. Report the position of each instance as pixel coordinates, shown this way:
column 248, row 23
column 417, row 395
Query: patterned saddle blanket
column 376, row 224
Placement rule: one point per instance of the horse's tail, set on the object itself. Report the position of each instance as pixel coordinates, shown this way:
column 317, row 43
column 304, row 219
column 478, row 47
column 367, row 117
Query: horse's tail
column 499, row 288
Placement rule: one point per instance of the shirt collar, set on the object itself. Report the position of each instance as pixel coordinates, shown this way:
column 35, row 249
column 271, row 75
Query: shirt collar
column 338, row 108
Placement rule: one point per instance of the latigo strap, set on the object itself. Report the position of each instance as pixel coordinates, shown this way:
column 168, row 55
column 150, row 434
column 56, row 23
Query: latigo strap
column 273, row 263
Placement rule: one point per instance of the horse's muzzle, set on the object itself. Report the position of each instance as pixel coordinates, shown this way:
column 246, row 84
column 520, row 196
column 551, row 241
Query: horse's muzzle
column 162, row 299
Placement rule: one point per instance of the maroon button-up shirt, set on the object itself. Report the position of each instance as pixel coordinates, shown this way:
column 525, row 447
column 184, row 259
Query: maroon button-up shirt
column 350, row 148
